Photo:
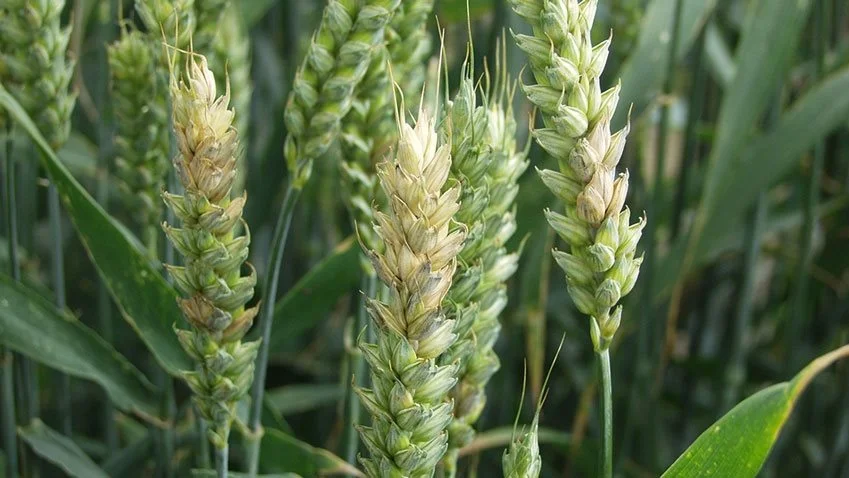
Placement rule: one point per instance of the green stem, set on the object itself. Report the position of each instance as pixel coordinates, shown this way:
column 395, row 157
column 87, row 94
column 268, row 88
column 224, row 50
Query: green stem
column 735, row 374
column 203, row 444
column 104, row 303
column 606, row 454
column 350, row 438
column 696, row 102
column 806, row 252
column 170, row 408
column 269, row 296
column 57, row 268
column 221, row 457
column 25, row 385
column 10, row 442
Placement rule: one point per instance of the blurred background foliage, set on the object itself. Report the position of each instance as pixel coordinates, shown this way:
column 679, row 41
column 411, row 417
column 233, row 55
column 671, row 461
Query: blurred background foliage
column 739, row 154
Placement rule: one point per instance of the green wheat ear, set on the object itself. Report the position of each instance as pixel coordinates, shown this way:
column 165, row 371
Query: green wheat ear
column 141, row 144
column 521, row 459
column 324, row 88
column 214, row 288
column 174, row 20
column 34, row 65
column 488, row 164
column 600, row 264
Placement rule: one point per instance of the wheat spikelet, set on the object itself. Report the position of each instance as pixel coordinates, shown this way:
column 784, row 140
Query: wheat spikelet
column 408, row 397
column 600, row 266
column 34, row 67
column 211, row 280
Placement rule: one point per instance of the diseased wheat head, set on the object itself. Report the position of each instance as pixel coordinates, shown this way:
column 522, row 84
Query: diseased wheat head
column 214, row 287
column 407, row 400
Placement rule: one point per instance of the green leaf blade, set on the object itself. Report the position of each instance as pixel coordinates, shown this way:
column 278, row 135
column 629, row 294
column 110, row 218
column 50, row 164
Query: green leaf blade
column 739, row 443
column 60, row 450
column 282, row 453
column 31, row 326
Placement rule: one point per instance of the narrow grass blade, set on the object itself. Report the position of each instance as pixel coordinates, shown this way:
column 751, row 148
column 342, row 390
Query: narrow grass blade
column 60, row 450
column 130, row 458
column 738, row 444
column 146, row 301
column 768, row 43
column 31, row 326
column 642, row 74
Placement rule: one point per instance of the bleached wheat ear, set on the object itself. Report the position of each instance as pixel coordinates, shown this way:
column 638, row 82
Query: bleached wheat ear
column 600, row 265
column 323, row 90
column 141, row 145
column 407, row 400
column 487, row 163
column 215, row 290
column 34, row 67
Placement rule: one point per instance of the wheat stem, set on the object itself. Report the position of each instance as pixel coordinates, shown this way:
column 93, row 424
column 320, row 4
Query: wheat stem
column 606, row 452
column 203, row 444
column 735, row 372
column 221, row 459
column 57, row 267
column 10, row 441
column 801, row 306
column 269, row 296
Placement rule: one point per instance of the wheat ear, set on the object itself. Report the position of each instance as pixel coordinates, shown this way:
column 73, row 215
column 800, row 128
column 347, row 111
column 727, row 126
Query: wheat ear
column 141, row 147
column 324, row 87
column 211, row 280
column 487, row 163
column 369, row 128
column 407, row 400
column 409, row 45
column 173, row 19
column 34, row 67
column 600, row 265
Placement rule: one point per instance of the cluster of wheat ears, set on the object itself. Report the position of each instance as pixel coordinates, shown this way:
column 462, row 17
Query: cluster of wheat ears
column 431, row 188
